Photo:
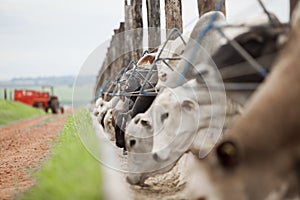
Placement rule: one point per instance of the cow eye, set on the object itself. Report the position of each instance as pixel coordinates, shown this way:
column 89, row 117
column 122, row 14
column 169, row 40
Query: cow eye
column 164, row 117
column 227, row 154
column 132, row 142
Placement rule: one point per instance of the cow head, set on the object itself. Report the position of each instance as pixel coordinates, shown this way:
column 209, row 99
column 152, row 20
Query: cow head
column 174, row 114
column 173, row 49
column 139, row 143
column 259, row 156
column 194, row 52
column 146, row 60
column 109, row 124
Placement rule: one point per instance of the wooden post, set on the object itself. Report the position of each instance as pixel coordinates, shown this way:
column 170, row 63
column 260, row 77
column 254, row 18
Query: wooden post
column 137, row 26
column 173, row 12
column 293, row 4
column 118, row 46
column 121, row 44
column 5, row 94
column 209, row 5
column 10, row 95
column 110, row 55
column 153, row 13
column 102, row 75
column 117, row 51
column 99, row 81
column 128, row 36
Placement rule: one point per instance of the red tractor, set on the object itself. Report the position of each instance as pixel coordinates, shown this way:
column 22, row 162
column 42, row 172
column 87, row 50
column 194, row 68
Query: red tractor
column 37, row 99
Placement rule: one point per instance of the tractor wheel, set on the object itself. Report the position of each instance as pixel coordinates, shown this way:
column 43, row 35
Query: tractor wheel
column 47, row 109
column 62, row 110
column 54, row 105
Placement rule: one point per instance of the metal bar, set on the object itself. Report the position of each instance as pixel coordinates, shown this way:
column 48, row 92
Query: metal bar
column 215, row 86
column 106, row 83
column 287, row 25
column 130, row 77
column 164, row 61
column 171, row 58
column 146, row 90
column 240, row 69
column 267, row 12
column 147, row 77
column 173, row 31
column 133, row 95
column 117, row 78
column 145, row 52
column 245, row 54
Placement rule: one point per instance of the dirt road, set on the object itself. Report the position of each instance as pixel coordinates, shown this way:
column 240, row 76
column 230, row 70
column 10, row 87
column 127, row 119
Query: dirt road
column 24, row 146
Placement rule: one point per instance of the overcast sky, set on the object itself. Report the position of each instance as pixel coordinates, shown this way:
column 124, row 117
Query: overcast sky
column 54, row 37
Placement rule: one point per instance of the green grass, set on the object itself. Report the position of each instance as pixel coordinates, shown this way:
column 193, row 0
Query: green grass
column 64, row 94
column 71, row 172
column 11, row 111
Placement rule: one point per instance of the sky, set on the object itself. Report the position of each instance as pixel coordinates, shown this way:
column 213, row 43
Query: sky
column 55, row 37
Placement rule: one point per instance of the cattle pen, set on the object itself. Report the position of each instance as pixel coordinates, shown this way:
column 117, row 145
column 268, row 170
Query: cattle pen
column 197, row 114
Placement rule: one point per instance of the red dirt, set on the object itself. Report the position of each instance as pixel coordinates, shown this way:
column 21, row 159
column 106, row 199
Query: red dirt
column 23, row 147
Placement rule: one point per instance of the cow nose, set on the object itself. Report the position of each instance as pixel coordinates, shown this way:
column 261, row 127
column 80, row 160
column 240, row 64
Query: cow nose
column 133, row 181
column 137, row 119
column 145, row 123
column 155, row 157
column 163, row 76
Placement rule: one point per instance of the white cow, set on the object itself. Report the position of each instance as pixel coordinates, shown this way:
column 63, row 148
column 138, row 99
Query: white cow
column 196, row 53
column 146, row 60
column 98, row 104
column 259, row 157
column 101, row 106
column 108, row 124
column 202, row 52
column 188, row 117
column 173, row 49
column 105, row 105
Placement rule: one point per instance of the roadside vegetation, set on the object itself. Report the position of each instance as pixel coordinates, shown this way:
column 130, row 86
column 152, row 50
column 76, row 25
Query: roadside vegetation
column 71, row 172
column 11, row 111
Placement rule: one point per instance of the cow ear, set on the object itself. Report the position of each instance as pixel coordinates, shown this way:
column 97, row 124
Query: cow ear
column 188, row 105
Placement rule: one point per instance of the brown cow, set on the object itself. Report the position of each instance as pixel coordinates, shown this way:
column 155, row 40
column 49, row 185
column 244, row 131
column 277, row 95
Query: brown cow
column 260, row 156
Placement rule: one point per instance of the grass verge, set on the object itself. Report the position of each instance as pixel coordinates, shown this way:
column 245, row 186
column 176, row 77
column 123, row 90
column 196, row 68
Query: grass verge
column 11, row 111
column 71, row 172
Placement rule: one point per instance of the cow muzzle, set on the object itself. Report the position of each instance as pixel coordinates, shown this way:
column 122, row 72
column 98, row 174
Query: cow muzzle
column 134, row 179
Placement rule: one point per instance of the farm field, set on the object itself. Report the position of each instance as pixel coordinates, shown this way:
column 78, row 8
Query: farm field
column 11, row 111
